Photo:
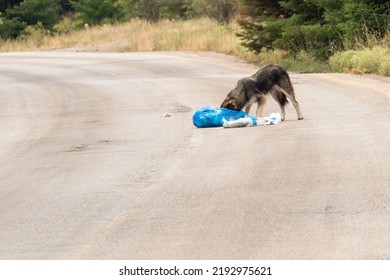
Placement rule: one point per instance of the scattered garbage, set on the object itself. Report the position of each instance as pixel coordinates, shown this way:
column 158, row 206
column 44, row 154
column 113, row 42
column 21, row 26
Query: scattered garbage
column 242, row 122
column 166, row 115
column 274, row 118
column 213, row 117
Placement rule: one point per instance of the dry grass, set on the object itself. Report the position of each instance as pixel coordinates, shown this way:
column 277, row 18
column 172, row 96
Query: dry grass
column 370, row 53
column 137, row 35
column 369, row 39
column 200, row 34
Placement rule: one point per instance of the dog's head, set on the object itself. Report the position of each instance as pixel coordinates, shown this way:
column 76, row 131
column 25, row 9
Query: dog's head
column 229, row 103
column 238, row 97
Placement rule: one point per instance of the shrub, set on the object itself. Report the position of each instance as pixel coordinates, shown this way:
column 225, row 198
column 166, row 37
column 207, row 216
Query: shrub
column 367, row 60
column 341, row 61
column 35, row 34
column 66, row 25
column 318, row 27
column 97, row 11
column 11, row 28
column 31, row 12
column 384, row 68
column 223, row 11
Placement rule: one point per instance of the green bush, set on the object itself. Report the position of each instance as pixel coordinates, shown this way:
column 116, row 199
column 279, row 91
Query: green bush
column 31, row 12
column 318, row 27
column 35, row 34
column 342, row 60
column 305, row 62
column 10, row 28
column 365, row 60
column 384, row 68
column 368, row 60
column 97, row 11
column 66, row 25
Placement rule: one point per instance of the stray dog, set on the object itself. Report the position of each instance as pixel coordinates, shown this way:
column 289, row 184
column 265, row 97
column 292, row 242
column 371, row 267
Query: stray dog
column 271, row 79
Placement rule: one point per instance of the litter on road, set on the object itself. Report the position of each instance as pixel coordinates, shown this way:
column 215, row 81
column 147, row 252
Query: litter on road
column 274, row 118
column 214, row 117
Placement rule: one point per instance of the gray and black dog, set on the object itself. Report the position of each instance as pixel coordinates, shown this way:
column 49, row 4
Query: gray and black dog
column 270, row 79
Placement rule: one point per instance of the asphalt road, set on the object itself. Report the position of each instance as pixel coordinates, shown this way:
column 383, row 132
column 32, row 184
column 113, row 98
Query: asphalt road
column 91, row 170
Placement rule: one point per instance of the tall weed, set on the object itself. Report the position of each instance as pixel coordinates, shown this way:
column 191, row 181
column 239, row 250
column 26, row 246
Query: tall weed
column 369, row 53
column 200, row 34
column 368, row 60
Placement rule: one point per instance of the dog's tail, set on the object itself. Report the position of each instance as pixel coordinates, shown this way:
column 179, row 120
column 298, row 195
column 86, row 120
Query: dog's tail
column 288, row 84
column 282, row 99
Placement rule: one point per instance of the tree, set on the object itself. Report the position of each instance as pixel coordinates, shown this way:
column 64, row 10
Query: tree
column 10, row 28
column 154, row 10
column 7, row 4
column 223, row 11
column 174, row 9
column 97, row 11
column 66, row 6
column 320, row 27
column 32, row 12
column 259, row 20
column 150, row 10
column 21, row 14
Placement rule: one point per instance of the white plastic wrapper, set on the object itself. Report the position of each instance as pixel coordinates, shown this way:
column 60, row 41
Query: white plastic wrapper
column 242, row 122
column 274, row 118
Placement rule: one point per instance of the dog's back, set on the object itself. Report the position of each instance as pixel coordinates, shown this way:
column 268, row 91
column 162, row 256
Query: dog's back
column 270, row 79
column 271, row 75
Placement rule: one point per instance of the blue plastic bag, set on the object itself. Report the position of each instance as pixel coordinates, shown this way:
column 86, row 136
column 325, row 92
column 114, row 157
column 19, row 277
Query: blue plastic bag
column 213, row 117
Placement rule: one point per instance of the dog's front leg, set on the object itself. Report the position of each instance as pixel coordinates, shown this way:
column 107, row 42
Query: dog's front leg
column 260, row 106
column 248, row 108
column 249, row 105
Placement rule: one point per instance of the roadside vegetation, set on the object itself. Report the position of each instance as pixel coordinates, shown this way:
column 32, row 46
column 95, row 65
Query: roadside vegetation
column 200, row 34
column 305, row 36
column 370, row 53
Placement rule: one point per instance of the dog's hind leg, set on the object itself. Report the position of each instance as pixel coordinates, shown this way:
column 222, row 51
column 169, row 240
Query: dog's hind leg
column 290, row 96
column 281, row 99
